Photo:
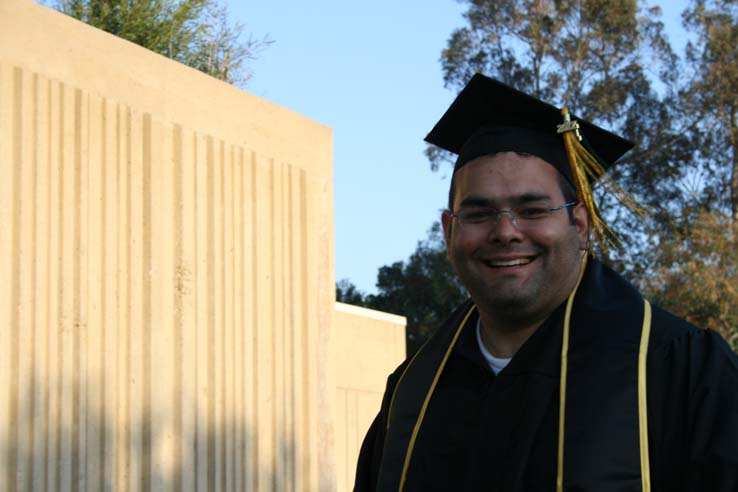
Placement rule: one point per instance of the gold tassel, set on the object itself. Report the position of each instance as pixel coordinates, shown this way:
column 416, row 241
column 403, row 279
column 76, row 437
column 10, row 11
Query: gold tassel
column 585, row 168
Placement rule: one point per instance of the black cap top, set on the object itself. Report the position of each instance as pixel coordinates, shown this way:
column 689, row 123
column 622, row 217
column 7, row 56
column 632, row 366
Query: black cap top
column 489, row 117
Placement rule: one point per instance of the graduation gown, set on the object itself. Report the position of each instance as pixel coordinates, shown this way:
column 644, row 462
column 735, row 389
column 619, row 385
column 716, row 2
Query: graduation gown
column 499, row 433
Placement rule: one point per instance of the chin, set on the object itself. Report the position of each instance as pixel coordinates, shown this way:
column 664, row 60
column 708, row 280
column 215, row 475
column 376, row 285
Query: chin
column 509, row 302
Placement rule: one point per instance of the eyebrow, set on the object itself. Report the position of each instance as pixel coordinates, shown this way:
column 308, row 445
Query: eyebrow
column 531, row 197
column 480, row 201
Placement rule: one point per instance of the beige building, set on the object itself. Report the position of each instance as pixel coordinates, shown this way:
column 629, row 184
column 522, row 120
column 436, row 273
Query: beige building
column 167, row 310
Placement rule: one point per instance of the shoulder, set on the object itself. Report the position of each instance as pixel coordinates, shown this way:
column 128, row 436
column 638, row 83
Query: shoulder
column 443, row 330
column 668, row 330
column 417, row 362
column 683, row 347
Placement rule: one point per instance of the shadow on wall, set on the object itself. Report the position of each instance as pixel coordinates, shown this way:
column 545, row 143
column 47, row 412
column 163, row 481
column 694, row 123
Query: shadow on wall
column 66, row 438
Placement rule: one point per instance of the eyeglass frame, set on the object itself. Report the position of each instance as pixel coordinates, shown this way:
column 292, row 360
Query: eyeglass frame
column 496, row 215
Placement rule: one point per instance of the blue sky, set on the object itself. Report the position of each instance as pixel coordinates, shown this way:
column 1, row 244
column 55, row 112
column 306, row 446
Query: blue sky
column 370, row 71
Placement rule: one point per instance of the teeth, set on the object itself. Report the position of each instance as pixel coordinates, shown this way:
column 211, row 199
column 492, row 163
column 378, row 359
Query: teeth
column 521, row 261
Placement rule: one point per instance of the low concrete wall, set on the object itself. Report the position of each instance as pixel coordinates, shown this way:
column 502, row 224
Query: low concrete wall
column 369, row 345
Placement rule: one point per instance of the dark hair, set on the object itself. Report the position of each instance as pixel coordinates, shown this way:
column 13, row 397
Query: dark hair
column 567, row 189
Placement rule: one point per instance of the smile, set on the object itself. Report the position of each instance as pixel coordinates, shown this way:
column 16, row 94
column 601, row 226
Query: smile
column 508, row 263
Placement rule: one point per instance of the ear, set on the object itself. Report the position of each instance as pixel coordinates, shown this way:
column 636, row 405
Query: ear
column 447, row 223
column 581, row 223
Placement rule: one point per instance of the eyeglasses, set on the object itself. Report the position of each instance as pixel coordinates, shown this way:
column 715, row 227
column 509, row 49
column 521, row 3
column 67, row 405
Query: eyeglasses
column 523, row 216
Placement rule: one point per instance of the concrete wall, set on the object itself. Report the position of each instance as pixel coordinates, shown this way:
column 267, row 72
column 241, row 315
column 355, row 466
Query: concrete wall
column 166, row 256
column 369, row 346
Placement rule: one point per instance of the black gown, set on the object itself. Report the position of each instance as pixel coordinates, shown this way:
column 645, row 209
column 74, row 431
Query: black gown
column 499, row 433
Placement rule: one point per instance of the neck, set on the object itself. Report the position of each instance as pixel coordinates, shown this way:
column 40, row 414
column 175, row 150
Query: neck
column 504, row 338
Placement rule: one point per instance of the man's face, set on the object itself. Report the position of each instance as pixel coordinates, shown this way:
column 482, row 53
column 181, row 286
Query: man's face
column 521, row 273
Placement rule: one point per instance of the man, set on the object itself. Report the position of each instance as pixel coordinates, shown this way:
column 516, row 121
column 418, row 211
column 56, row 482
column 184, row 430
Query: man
column 557, row 373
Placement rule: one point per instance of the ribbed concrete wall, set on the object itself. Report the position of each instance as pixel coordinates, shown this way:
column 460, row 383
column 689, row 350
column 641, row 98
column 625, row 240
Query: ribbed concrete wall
column 369, row 346
column 167, row 261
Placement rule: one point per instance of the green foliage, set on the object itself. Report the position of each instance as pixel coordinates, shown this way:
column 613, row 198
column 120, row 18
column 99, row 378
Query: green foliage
column 694, row 273
column 347, row 293
column 194, row 32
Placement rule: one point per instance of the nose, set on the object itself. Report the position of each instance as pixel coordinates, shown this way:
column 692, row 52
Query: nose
column 505, row 229
column 511, row 216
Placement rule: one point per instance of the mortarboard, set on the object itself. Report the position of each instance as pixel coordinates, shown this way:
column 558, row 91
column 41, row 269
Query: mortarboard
column 488, row 117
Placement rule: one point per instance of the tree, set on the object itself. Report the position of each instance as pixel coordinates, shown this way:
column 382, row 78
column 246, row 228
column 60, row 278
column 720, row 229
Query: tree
column 695, row 272
column 693, row 258
column 194, row 32
column 348, row 293
column 711, row 97
column 424, row 289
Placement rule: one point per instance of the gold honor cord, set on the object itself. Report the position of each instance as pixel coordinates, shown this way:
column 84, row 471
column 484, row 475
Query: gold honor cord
column 586, row 168
column 642, row 404
column 562, row 381
column 419, row 422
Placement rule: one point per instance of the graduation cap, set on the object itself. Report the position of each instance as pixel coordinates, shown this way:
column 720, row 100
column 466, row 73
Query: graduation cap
column 488, row 117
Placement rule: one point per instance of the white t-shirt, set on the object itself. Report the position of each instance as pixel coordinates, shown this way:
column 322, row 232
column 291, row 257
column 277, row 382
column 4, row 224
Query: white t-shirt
column 495, row 363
